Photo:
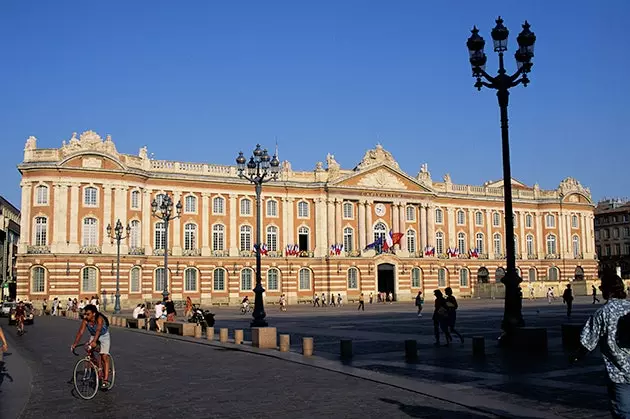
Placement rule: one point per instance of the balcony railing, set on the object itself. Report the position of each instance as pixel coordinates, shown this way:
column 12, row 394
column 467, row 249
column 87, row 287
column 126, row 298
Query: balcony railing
column 552, row 256
column 578, row 256
column 160, row 252
column 306, row 254
column 90, row 250
column 191, row 252
column 38, row 250
column 136, row 251
column 499, row 256
column 220, row 253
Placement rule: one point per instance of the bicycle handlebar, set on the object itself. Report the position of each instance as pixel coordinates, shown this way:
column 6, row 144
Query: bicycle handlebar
column 74, row 350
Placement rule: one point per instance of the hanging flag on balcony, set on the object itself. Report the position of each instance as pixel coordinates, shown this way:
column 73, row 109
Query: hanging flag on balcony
column 429, row 251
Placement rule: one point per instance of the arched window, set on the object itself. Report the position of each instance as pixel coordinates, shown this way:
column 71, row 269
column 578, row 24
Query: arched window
column 483, row 276
column 353, row 279
column 272, row 208
column 463, row 278
column 439, row 216
column 190, row 204
column 41, row 231
column 303, row 239
column 273, row 283
column 190, row 280
column 218, row 284
column 550, row 220
column 530, row 245
column 272, row 238
column 90, row 232
column 553, row 274
column 411, row 241
column 461, row 218
column 348, row 239
column 218, row 237
column 246, row 206
column 135, row 199
column 479, row 242
column 160, row 236
column 89, row 280
column 531, row 274
column 160, row 279
column 380, row 230
column 246, row 238
column 348, row 211
column 305, row 279
column 442, row 276
column 479, row 218
column 135, row 234
column 38, row 280
column 134, row 279
column 218, row 205
column 576, row 246
column 246, row 279
column 190, row 236
column 529, row 221
column 499, row 274
column 551, row 244
column 439, row 242
column 411, row 213
column 496, row 241
column 461, row 243
column 496, row 219
column 302, row 209
column 41, row 195
column 415, row 278
column 90, row 196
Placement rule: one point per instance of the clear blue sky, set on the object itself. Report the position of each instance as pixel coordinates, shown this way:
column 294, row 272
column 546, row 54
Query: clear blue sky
column 199, row 81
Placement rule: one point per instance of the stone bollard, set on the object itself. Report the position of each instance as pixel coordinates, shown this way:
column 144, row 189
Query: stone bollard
column 307, row 346
column 345, row 348
column 210, row 333
column 411, row 350
column 223, row 335
column 479, row 346
column 122, row 322
column 238, row 336
column 113, row 321
column 285, row 343
column 197, row 331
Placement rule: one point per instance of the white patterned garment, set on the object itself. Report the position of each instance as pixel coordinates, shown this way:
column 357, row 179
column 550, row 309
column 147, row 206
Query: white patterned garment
column 602, row 328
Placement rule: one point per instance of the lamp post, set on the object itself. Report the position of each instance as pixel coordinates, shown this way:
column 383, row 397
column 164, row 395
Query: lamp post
column 260, row 169
column 163, row 210
column 118, row 236
column 502, row 82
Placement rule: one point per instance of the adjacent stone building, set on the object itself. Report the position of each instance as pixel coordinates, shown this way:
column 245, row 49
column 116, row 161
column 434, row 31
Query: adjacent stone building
column 612, row 235
column 9, row 238
column 453, row 233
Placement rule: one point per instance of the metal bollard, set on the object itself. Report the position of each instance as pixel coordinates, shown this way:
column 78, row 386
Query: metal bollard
column 210, row 333
column 197, row 331
column 345, row 348
column 238, row 336
column 223, row 335
column 411, row 350
column 307, row 346
column 479, row 346
column 285, row 343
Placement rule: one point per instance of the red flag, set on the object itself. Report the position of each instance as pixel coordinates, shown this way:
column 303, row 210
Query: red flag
column 397, row 237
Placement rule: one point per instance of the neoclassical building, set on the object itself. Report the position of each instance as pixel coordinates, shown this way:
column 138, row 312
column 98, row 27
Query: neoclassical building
column 316, row 227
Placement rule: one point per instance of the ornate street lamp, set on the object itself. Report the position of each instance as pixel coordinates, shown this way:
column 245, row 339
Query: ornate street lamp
column 260, row 169
column 118, row 236
column 163, row 210
column 502, row 82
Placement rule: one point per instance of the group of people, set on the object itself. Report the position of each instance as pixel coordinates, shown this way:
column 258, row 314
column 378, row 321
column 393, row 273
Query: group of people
column 333, row 301
column 444, row 315
column 71, row 305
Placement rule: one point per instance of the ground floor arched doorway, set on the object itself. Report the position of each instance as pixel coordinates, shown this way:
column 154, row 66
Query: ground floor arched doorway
column 386, row 277
column 483, row 276
column 579, row 274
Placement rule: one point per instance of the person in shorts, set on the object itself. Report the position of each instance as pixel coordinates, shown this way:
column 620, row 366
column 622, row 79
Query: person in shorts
column 98, row 327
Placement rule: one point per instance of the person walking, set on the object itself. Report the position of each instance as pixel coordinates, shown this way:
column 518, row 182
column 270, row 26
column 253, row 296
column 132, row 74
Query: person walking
column 452, row 306
column 567, row 298
column 323, row 300
column 189, row 307
column 55, row 306
column 371, row 297
column 339, row 300
column 594, row 294
column 315, row 300
column 332, row 300
column 45, row 307
column 361, row 303
column 550, row 295
column 440, row 318
column 170, row 309
column 609, row 326
column 531, row 292
column 283, row 303
column 419, row 302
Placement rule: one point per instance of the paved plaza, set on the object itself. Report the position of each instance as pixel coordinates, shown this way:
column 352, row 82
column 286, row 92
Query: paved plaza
column 162, row 375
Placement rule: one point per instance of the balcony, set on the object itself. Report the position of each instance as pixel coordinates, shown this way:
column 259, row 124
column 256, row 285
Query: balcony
column 532, row 256
column 498, row 256
column 38, row 250
column 220, row 253
column 246, row 253
column 160, row 252
column 306, row 254
column 578, row 256
column 353, row 254
column 90, row 250
column 191, row 252
column 136, row 251
column 483, row 256
column 552, row 256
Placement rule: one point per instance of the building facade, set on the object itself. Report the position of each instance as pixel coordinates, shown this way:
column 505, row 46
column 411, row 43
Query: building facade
column 612, row 235
column 9, row 238
column 453, row 233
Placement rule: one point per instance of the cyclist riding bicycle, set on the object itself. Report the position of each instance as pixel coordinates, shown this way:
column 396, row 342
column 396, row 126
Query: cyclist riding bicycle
column 20, row 314
column 98, row 326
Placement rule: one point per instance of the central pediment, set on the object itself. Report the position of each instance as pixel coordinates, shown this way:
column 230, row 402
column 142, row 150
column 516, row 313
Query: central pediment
column 381, row 177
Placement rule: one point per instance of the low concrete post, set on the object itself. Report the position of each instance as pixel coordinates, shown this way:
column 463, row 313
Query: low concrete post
column 479, row 346
column 223, row 335
column 285, row 343
column 114, row 320
column 411, row 350
column 307, row 346
column 345, row 348
column 197, row 331
column 238, row 336
column 123, row 322
column 210, row 333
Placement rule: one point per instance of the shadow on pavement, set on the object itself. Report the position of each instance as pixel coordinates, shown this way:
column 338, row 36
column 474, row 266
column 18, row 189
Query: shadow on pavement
column 416, row 411
column 4, row 374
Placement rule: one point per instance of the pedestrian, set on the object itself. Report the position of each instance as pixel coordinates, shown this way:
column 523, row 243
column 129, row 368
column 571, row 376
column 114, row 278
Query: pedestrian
column 390, row 297
column 419, row 302
column 323, row 300
column 339, row 300
column 361, row 303
column 371, row 297
column 159, row 315
column 332, row 300
column 567, row 298
column 189, row 307
column 387, row 297
column 55, row 306
column 440, row 318
column 452, row 306
column 531, row 292
column 136, row 311
column 315, row 300
column 69, row 306
column 610, row 326
column 594, row 294
column 45, row 307
column 550, row 295
column 283, row 303
column 170, row 309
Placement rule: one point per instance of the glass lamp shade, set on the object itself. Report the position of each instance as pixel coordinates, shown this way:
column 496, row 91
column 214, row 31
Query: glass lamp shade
column 178, row 207
column 109, row 230
column 251, row 167
column 478, row 61
column 258, row 151
column 154, row 205
column 240, row 161
column 275, row 164
column 475, row 43
column 500, row 36
column 526, row 39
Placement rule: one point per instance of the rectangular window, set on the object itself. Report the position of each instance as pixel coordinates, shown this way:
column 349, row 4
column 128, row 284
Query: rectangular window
column 626, row 232
column 134, row 285
column 89, row 280
column 190, row 204
column 272, row 208
column 411, row 213
column 246, row 280
column 348, row 211
column 626, row 249
column 302, row 209
column 90, row 199
column 463, row 278
column 39, row 279
column 617, row 249
column 41, row 195
column 479, row 219
column 190, row 280
column 219, row 280
column 415, row 278
column 348, row 239
column 441, row 277
column 353, row 280
column 272, row 280
column 528, row 221
column 246, row 207
column 305, row 279
column 160, row 279
column 551, row 221
column 218, row 205
column 461, row 218
column 41, row 231
column 496, row 219
column 135, row 200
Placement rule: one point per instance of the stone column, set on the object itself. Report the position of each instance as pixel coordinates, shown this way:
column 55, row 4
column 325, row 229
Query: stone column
column 471, row 228
column 361, row 230
column 60, row 203
column 107, row 217
column 422, row 227
column 285, row 223
column 489, row 244
column 206, row 250
column 431, row 225
column 291, row 220
column 451, row 241
column 74, row 218
column 121, row 214
column 321, row 249
column 540, row 240
column 395, row 226
column 331, row 222
column 368, row 223
column 25, row 217
column 176, row 224
column 402, row 226
column 338, row 221
column 567, row 223
column 147, row 222
column 233, row 245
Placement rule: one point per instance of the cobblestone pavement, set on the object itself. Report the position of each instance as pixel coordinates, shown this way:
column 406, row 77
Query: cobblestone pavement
column 176, row 379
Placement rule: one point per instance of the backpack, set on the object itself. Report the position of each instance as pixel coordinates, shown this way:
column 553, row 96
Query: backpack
column 623, row 332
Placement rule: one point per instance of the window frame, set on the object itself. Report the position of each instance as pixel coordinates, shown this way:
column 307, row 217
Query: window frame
column 550, row 221
column 303, row 206
column 557, row 273
column 218, row 281
column 186, row 279
column 46, row 196
column 439, row 242
column 276, row 279
column 575, row 221
column 348, row 239
column 135, row 199
column 243, row 279
column 245, row 201
column 132, row 290
column 412, row 242
column 90, row 188
column 497, row 238
column 529, row 240
column 161, row 245
column 410, row 213
column 192, row 200
column 300, row 278
column 155, row 279
column 478, row 219
column 271, row 206
column 442, row 277
column 40, row 238
column 460, row 221
column 352, row 283
column 439, row 216
column 218, row 237
column 415, row 270
column 464, row 280
column 215, row 202
column 480, row 238
column 461, row 243
column 135, row 234
column 88, row 269
column 551, row 241
column 36, row 290
column 347, row 215
column 190, row 236
column 245, row 242
column 89, row 232
column 272, row 233
column 529, row 221
column 496, row 219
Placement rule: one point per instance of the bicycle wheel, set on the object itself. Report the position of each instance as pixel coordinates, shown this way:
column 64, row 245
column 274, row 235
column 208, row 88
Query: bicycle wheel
column 86, row 380
column 112, row 372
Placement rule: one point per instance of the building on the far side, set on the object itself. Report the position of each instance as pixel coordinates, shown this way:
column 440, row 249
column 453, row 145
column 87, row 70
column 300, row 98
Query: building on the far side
column 612, row 235
column 9, row 237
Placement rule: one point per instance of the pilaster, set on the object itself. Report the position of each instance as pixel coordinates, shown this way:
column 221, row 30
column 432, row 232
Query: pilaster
column 147, row 222
column 233, row 233
column 361, row 225
column 205, row 225
column 338, row 221
column 74, row 218
column 331, row 224
column 321, row 249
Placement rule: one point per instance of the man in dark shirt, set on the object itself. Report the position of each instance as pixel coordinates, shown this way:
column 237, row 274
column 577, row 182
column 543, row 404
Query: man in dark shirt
column 170, row 309
column 567, row 297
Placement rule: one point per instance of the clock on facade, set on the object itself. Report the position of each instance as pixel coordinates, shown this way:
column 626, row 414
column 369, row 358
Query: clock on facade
column 379, row 209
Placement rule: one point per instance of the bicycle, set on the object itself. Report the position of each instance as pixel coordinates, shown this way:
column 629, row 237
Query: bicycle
column 19, row 324
column 88, row 373
column 247, row 309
